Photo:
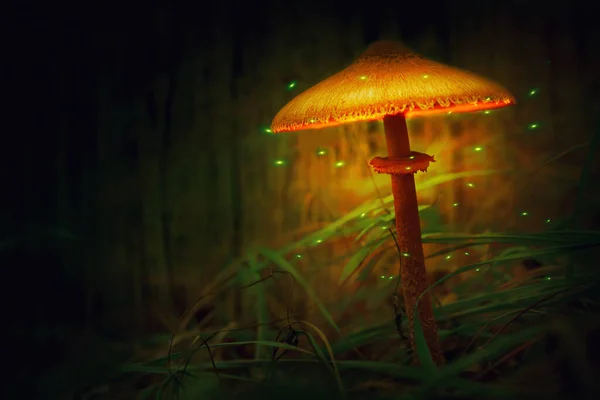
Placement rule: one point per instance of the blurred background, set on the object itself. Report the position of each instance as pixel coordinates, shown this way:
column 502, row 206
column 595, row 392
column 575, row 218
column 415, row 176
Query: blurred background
column 138, row 161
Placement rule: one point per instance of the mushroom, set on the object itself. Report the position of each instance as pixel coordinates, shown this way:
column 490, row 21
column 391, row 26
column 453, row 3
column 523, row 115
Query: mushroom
column 390, row 82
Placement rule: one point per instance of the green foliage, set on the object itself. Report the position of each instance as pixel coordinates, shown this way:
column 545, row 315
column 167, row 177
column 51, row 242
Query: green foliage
column 489, row 325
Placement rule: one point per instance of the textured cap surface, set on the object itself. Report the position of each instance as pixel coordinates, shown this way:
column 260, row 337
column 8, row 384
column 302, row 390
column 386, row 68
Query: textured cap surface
column 389, row 79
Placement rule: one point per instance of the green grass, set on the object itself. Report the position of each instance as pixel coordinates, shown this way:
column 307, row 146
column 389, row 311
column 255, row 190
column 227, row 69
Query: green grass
column 489, row 334
column 490, row 326
column 502, row 337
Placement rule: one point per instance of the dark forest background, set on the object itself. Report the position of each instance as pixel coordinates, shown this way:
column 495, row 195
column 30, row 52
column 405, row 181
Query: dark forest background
column 135, row 161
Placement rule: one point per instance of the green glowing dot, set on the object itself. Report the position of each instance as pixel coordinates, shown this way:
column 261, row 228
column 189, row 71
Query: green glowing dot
column 322, row 152
column 405, row 254
column 532, row 92
column 455, row 205
column 291, row 85
column 466, row 253
column 425, row 76
column 487, row 112
column 449, row 256
column 524, row 214
column 339, row 164
column 478, row 148
column 319, row 241
column 533, row 126
column 363, row 78
column 470, row 184
column 279, row 162
column 548, row 220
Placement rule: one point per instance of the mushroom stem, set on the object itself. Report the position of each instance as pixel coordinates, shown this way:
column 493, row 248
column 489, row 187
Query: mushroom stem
column 408, row 228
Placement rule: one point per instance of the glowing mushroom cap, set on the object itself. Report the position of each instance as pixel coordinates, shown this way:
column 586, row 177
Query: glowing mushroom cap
column 389, row 79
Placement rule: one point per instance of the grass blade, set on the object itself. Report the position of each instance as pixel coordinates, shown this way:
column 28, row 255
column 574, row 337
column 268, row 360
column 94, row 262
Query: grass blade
column 282, row 263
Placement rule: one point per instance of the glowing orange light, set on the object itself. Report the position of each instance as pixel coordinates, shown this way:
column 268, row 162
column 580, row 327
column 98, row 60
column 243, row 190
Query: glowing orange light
column 399, row 82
